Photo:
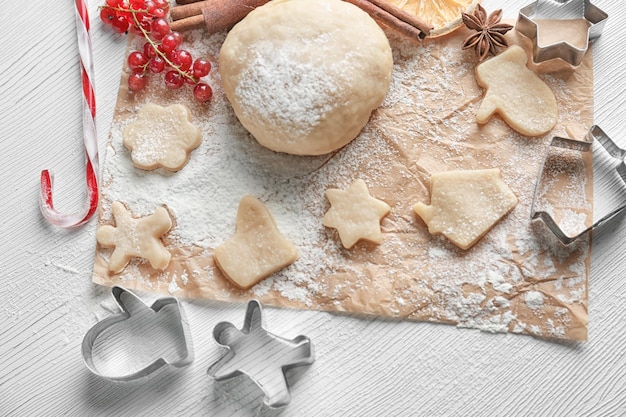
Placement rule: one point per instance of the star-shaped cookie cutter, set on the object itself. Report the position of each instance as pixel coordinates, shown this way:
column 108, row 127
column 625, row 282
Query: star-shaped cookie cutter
column 261, row 355
column 595, row 133
column 527, row 25
column 106, row 362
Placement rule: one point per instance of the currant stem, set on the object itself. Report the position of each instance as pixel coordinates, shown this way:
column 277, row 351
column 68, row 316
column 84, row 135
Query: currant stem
column 150, row 41
column 156, row 49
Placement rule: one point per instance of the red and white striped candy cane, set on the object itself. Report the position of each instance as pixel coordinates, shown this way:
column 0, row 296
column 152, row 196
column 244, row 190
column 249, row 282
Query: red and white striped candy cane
column 90, row 137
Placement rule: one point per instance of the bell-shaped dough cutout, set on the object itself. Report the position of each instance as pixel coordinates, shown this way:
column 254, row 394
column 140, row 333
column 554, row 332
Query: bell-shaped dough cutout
column 257, row 249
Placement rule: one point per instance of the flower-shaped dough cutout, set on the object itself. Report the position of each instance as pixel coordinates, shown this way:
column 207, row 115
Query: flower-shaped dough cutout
column 465, row 205
column 517, row 94
column 161, row 137
column 257, row 249
column 136, row 237
column 355, row 214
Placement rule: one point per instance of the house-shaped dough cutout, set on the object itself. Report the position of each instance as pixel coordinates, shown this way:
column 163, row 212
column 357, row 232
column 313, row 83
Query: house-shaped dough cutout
column 465, row 205
column 257, row 249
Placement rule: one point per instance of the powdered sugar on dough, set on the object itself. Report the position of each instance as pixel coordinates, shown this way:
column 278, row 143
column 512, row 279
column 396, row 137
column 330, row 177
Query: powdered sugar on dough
column 297, row 107
column 426, row 124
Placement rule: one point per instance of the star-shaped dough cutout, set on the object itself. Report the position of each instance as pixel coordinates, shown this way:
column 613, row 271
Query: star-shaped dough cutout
column 161, row 137
column 355, row 214
column 261, row 355
column 465, row 205
column 133, row 237
column 257, row 249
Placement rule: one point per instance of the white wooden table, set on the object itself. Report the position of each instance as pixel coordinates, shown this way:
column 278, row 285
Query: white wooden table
column 364, row 367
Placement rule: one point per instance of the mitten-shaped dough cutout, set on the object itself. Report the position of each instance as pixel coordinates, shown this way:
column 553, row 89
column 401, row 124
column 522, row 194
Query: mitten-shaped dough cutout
column 517, row 94
column 257, row 249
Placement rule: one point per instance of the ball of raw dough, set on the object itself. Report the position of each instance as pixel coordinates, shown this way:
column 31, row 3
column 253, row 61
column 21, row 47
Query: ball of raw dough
column 303, row 76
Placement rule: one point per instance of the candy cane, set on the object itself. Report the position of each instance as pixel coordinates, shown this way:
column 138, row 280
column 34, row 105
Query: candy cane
column 90, row 138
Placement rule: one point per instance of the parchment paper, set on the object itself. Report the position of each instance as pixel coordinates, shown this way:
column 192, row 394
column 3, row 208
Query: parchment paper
column 515, row 279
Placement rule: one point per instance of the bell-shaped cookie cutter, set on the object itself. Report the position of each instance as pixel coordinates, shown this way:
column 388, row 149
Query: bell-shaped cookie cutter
column 261, row 355
column 527, row 25
column 133, row 306
column 614, row 151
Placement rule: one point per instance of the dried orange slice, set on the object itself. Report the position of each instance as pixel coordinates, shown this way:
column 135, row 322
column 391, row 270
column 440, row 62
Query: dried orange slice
column 444, row 15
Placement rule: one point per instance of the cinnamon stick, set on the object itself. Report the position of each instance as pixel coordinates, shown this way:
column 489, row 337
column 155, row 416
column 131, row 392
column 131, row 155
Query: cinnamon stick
column 404, row 16
column 220, row 15
column 190, row 9
column 391, row 16
column 187, row 23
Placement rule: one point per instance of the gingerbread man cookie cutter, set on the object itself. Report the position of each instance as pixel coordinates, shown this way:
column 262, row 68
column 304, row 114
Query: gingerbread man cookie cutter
column 139, row 340
column 615, row 154
column 529, row 20
column 261, row 355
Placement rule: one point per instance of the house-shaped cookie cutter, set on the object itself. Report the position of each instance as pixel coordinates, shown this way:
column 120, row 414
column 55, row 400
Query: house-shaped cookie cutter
column 115, row 330
column 527, row 25
column 261, row 355
column 595, row 133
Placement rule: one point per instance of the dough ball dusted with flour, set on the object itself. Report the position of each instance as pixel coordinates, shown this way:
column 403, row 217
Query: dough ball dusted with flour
column 303, row 76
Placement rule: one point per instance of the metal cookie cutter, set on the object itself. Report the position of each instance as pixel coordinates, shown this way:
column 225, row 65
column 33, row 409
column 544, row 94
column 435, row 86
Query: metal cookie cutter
column 616, row 165
column 527, row 25
column 139, row 340
column 261, row 355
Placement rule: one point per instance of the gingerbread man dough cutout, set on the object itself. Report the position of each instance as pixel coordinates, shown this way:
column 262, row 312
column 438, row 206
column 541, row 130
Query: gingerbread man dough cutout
column 517, row 94
column 161, row 137
column 133, row 237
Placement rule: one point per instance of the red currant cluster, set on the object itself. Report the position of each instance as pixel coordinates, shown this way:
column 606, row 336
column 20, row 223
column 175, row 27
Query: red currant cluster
column 162, row 51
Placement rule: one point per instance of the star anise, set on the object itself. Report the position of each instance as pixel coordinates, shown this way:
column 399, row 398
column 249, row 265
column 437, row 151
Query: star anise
column 490, row 34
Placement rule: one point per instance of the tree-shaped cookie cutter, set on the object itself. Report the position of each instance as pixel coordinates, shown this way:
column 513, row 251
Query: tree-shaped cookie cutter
column 527, row 25
column 261, row 355
column 618, row 155
column 108, row 353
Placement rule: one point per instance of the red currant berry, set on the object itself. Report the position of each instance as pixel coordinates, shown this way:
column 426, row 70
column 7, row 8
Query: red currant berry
column 173, row 80
column 137, row 4
column 148, row 50
column 137, row 61
column 157, row 64
column 201, row 68
column 114, row 3
column 120, row 24
column 161, row 4
column 107, row 15
column 202, row 92
column 169, row 42
column 155, row 11
column 178, row 38
column 160, row 28
column 183, row 60
column 158, row 13
column 137, row 82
